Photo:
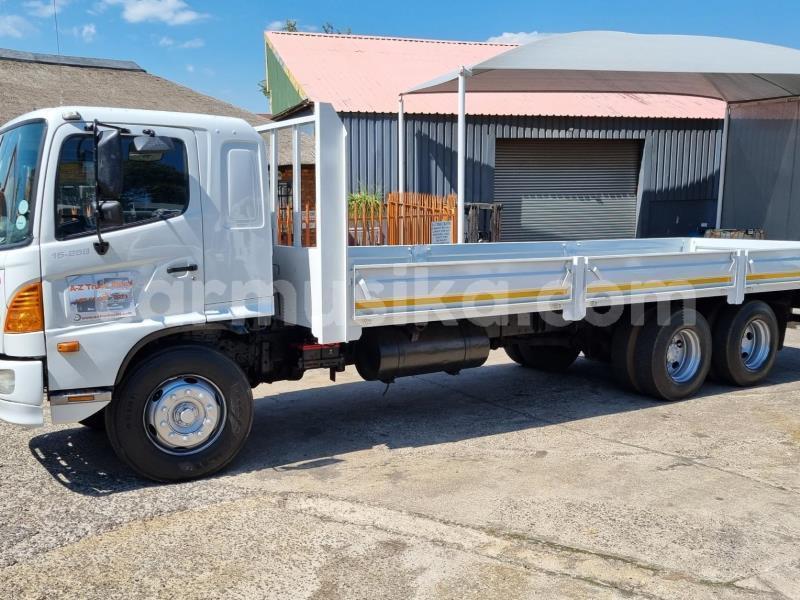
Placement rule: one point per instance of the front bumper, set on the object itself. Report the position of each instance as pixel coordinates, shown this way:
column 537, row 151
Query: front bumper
column 24, row 405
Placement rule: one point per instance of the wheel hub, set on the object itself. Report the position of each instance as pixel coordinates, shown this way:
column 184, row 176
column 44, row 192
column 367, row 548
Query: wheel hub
column 755, row 344
column 184, row 414
column 683, row 356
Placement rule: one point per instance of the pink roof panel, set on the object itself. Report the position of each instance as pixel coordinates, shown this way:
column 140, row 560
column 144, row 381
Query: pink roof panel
column 366, row 74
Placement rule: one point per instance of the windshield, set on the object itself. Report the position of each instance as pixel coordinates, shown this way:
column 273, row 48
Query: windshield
column 19, row 162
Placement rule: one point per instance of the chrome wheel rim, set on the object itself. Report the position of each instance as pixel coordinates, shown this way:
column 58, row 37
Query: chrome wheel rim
column 755, row 344
column 184, row 414
column 683, row 356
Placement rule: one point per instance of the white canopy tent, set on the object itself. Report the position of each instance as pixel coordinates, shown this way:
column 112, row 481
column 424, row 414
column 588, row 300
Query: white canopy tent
column 735, row 71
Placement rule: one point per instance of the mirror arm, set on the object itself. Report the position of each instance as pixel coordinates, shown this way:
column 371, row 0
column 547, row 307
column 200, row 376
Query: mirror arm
column 101, row 246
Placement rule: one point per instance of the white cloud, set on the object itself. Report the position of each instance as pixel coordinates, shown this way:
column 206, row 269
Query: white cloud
column 88, row 31
column 168, row 42
column 14, row 26
column 521, row 37
column 97, row 8
column 171, row 12
column 44, row 8
column 193, row 43
column 85, row 32
column 190, row 68
column 275, row 25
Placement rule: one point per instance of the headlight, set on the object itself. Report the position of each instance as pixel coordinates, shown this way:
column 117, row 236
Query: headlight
column 7, row 381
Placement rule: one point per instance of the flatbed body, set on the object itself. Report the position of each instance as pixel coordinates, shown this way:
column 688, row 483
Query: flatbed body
column 417, row 284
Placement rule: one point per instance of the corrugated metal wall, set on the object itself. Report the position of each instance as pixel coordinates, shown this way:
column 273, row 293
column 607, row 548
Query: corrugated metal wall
column 761, row 188
column 680, row 163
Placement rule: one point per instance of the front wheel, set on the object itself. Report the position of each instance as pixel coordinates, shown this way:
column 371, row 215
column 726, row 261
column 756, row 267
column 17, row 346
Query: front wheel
column 183, row 413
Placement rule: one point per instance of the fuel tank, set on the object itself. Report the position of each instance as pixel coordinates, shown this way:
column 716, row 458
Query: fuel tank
column 384, row 353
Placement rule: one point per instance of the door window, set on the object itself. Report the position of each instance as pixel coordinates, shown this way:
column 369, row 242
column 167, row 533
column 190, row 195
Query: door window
column 155, row 186
column 244, row 205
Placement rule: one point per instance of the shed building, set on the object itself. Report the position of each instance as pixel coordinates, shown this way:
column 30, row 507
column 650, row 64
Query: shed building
column 29, row 81
column 564, row 166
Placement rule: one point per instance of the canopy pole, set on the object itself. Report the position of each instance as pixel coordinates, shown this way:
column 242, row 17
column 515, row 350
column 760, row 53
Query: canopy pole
column 723, row 161
column 401, row 146
column 462, row 152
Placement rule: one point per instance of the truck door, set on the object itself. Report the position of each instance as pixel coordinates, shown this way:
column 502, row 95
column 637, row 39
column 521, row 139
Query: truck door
column 152, row 275
column 238, row 244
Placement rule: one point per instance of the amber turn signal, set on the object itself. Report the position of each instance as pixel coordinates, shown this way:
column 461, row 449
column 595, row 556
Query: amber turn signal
column 73, row 346
column 81, row 398
column 25, row 313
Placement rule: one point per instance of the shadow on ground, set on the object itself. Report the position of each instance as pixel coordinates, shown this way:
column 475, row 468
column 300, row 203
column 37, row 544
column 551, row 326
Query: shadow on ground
column 311, row 428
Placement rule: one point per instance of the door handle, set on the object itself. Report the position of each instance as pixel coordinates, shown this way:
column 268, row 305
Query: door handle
column 184, row 269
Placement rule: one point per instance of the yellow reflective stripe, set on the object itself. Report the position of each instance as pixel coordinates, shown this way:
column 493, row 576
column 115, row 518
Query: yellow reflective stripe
column 454, row 298
column 783, row 275
column 649, row 285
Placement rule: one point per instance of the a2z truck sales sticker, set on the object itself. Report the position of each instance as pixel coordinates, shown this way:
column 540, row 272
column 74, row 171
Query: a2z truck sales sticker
column 101, row 296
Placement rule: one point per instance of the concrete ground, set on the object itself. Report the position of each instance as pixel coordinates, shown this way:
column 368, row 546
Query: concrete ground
column 500, row 483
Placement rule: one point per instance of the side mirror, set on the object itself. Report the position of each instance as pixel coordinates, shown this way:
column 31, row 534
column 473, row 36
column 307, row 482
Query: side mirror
column 112, row 213
column 109, row 163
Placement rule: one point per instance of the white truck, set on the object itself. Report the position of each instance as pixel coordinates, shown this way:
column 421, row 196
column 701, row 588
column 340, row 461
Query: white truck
column 144, row 289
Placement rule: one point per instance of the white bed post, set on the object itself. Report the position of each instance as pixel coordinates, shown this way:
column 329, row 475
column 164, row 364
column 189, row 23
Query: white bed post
column 722, row 162
column 401, row 146
column 462, row 152
column 297, row 209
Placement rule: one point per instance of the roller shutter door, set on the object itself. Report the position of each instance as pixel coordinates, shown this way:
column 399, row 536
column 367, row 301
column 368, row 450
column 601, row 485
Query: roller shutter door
column 567, row 189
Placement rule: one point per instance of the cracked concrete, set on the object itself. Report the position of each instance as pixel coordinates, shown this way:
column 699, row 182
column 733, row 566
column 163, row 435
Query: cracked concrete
column 499, row 483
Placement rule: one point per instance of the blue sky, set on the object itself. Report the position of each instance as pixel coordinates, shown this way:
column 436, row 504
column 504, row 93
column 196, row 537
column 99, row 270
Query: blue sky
column 216, row 47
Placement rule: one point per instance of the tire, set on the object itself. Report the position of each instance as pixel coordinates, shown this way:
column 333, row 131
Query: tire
column 623, row 349
column 512, row 350
column 553, row 359
column 745, row 343
column 175, row 394
column 96, row 421
column 687, row 337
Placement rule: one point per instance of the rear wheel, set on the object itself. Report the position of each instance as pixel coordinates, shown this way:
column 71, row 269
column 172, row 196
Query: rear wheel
column 553, row 359
column 512, row 350
column 672, row 360
column 183, row 413
column 745, row 343
column 623, row 348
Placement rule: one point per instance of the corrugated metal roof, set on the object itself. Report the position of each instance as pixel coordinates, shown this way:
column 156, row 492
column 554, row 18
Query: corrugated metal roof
column 366, row 73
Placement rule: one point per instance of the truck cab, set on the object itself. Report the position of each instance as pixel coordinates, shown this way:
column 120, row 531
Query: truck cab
column 184, row 243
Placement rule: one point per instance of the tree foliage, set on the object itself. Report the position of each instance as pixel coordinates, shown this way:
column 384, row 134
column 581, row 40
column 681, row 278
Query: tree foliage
column 328, row 27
